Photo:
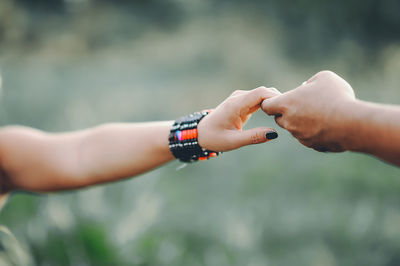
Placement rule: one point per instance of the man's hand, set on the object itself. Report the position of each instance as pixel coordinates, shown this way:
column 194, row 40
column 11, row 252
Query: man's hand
column 315, row 112
column 222, row 129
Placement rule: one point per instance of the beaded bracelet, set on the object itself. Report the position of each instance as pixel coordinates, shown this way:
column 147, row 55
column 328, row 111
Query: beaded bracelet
column 183, row 141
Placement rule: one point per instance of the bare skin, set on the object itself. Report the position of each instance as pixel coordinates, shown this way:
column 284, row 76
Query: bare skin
column 37, row 161
column 324, row 114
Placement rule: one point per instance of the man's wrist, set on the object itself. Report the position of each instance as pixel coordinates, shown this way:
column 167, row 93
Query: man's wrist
column 341, row 125
column 356, row 139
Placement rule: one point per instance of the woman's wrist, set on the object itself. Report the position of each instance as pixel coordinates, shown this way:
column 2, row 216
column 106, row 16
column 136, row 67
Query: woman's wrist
column 162, row 140
column 184, row 139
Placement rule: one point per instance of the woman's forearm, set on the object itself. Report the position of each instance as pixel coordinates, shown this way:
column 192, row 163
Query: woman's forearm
column 117, row 151
column 37, row 161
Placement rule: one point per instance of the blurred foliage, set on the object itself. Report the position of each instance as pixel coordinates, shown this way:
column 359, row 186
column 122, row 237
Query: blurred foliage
column 313, row 28
column 73, row 64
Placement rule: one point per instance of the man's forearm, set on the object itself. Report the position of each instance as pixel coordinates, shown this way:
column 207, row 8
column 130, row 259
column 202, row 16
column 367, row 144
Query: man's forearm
column 374, row 129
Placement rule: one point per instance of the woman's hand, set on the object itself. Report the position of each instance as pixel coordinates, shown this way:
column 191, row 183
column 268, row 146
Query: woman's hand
column 221, row 130
column 38, row 161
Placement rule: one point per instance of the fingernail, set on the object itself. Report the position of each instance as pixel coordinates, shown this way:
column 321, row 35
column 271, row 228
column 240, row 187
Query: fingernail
column 271, row 135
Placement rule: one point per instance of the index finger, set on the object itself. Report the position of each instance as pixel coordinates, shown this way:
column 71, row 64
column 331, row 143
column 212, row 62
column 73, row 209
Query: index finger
column 255, row 97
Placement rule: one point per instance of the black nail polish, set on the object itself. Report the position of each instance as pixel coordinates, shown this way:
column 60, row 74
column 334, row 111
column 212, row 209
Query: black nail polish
column 271, row 135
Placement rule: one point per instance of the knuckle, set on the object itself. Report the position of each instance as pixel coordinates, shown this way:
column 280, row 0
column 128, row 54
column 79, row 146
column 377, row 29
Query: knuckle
column 236, row 92
column 264, row 92
column 254, row 139
column 326, row 74
column 257, row 137
column 257, row 92
column 260, row 89
column 272, row 91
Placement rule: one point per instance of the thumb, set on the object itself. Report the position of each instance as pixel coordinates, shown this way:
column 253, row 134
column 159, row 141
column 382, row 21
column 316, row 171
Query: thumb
column 254, row 136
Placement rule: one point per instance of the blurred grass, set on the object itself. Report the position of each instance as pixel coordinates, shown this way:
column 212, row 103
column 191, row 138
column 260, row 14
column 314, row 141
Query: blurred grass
column 272, row 204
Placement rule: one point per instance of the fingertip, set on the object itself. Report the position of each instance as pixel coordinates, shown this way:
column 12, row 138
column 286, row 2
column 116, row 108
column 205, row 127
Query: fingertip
column 267, row 92
column 255, row 136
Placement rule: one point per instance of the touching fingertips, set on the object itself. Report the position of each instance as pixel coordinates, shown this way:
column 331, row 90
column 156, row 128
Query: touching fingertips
column 263, row 90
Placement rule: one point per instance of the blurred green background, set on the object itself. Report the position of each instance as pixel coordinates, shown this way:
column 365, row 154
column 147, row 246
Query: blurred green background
column 73, row 64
